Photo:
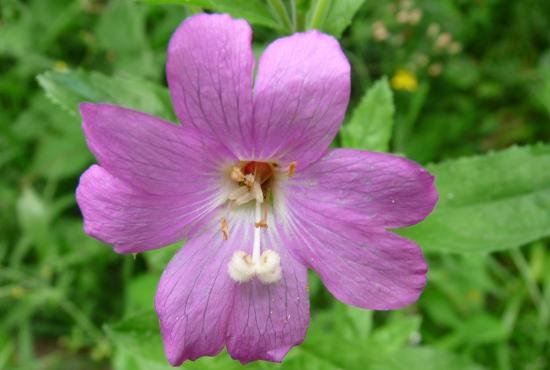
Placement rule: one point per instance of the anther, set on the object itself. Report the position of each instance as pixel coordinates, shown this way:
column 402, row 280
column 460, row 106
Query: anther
column 237, row 174
column 249, row 180
column 292, row 168
column 261, row 224
column 225, row 229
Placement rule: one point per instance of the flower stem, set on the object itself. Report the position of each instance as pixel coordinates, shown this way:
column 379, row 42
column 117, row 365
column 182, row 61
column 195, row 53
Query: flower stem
column 530, row 283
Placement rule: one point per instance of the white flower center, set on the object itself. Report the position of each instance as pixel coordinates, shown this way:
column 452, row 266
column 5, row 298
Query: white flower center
column 254, row 184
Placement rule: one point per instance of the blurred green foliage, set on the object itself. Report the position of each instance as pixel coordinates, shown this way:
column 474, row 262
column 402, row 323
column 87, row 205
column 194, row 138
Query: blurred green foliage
column 464, row 78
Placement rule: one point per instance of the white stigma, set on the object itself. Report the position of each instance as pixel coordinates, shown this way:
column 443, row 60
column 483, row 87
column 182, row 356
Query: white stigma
column 256, row 248
column 242, row 268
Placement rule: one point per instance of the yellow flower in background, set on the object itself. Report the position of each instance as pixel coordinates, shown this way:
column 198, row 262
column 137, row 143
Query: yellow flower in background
column 60, row 66
column 404, row 80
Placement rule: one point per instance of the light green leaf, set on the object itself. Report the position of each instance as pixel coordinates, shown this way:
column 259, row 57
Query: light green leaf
column 371, row 124
column 69, row 89
column 491, row 202
column 254, row 11
column 339, row 15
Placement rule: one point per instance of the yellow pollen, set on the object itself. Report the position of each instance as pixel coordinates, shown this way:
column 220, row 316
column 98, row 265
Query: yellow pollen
column 292, row 168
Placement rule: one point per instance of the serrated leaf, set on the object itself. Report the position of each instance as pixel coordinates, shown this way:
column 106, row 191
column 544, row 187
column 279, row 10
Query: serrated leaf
column 253, row 11
column 490, row 202
column 371, row 124
column 340, row 15
column 69, row 89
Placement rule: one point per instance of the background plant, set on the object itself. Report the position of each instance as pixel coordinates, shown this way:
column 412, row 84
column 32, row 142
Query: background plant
column 467, row 92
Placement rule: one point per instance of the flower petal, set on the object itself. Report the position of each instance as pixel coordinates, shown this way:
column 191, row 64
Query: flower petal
column 336, row 212
column 377, row 189
column 131, row 219
column 194, row 297
column 300, row 97
column 209, row 73
column 377, row 270
column 201, row 308
column 151, row 154
column 267, row 320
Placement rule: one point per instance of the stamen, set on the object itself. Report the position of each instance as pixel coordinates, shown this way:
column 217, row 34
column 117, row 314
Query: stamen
column 238, row 193
column 258, row 194
column 261, row 224
column 292, row 168
column 237, row 174
column 249, row 180
column 225, row 229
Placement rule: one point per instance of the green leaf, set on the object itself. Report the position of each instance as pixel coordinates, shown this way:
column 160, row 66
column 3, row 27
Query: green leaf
column 339, row 16
column 141, row 292
column 371, row 124
column 34, row 216
column 490, row 202
column 69, row 89
column 397, row 333
column 121, row 30
column 421, row 358
column 253, row 11
column 158, row 259
column 138, row 343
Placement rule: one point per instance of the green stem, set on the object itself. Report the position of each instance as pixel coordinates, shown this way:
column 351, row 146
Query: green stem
column 319, row 12
column 81, row 319
column 530, row 283
column 282, row 15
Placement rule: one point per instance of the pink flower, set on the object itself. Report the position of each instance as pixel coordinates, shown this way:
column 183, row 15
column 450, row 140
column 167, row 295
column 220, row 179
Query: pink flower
column 248, row 180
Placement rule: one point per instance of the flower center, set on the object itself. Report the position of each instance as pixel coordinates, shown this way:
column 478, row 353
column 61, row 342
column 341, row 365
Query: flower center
column 254, row 182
